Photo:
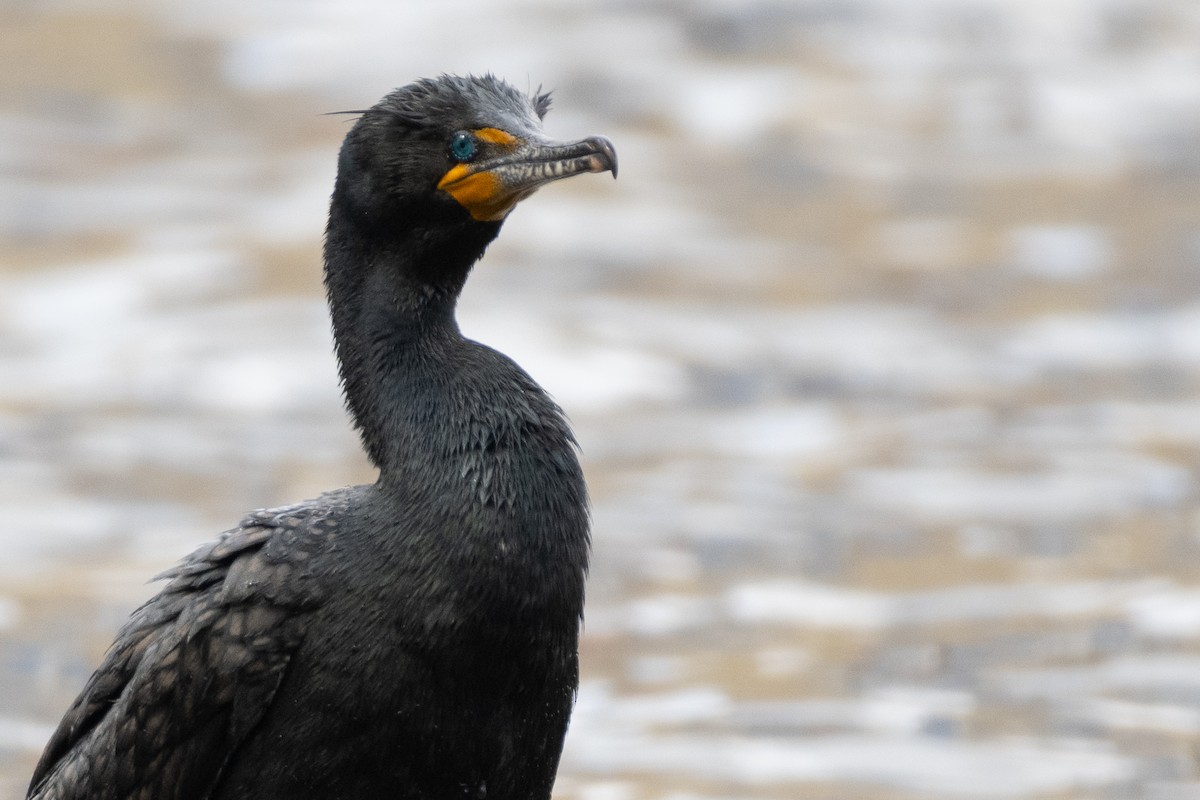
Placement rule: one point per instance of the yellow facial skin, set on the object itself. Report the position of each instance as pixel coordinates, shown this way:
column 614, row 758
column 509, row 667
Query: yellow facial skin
column 482, row 193
column 497, row 137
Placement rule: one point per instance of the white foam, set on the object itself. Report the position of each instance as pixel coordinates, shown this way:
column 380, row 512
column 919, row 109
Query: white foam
column 824, row 606
column 1172, row 613
column 1069, row 492
column 937, row 767
column 1061, row 252
column 1147, row 673
column 1108, row 341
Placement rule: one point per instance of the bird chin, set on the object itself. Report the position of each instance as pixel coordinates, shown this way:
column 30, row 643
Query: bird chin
column 485, row 194
column 506, row 205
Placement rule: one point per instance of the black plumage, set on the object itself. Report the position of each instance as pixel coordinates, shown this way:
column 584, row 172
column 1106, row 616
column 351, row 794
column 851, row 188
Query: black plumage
column 416, row 638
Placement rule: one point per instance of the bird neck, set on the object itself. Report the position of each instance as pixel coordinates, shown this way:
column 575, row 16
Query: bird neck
column 392, row 291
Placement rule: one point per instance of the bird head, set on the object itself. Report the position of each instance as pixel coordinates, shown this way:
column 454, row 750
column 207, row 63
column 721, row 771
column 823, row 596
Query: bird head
column 459, row 146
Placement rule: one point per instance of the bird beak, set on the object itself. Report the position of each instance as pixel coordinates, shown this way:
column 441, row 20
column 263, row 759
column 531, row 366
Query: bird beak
column 490, row 187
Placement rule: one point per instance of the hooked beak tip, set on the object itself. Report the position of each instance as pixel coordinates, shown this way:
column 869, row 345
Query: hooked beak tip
column 605, row 156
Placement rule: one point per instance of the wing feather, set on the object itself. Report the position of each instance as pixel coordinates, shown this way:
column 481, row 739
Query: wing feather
column 193, row 671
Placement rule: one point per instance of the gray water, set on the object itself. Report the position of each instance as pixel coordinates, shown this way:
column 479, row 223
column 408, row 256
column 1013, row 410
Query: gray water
column 883, row 353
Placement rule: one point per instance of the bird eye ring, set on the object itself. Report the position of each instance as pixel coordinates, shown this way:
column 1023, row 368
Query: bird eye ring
column 462, row 146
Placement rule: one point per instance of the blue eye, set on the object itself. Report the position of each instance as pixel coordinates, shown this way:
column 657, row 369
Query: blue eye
column 462, row 146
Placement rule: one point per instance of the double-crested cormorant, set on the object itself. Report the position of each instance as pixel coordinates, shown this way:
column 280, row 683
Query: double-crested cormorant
column 415, row 638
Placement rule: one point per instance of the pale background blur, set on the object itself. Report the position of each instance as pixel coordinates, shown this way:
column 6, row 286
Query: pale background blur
column 883, row 352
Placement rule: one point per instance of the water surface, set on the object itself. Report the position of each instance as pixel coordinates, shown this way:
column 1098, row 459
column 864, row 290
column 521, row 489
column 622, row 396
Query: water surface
column 883, row 353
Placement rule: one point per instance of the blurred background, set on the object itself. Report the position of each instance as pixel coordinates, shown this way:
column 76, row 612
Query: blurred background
column 883, row 352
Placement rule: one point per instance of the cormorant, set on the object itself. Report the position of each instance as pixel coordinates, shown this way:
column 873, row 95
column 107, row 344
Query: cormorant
column 415, row 639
